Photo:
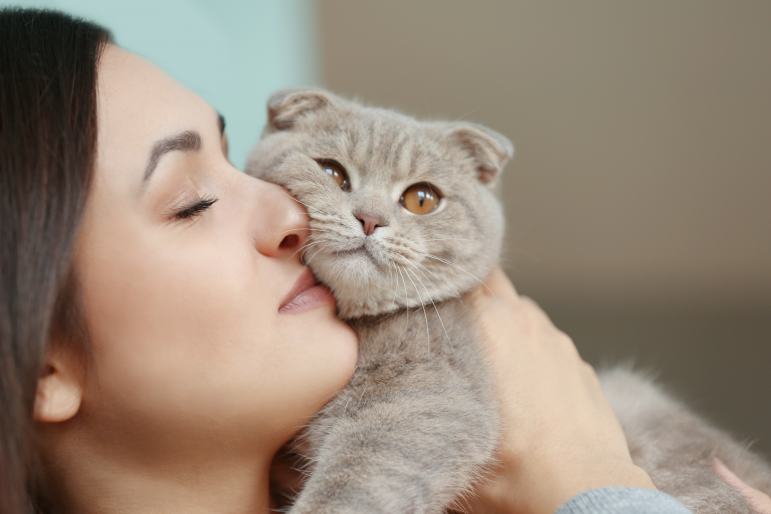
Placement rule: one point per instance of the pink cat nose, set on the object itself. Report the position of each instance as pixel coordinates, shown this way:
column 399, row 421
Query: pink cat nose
column 369, row 223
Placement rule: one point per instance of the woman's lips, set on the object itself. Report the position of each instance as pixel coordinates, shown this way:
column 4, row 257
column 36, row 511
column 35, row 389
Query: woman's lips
column 305, row 295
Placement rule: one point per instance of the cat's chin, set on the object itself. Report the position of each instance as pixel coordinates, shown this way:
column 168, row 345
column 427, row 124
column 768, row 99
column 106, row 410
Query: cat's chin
column 353, row 307
column 352, row 310
column 361, row 286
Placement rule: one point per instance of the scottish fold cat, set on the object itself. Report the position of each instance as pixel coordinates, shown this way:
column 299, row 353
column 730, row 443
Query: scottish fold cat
column 404, row 224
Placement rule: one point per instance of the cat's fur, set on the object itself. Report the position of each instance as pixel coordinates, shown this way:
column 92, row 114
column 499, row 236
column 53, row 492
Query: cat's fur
column 676, row 447
column 418, row 423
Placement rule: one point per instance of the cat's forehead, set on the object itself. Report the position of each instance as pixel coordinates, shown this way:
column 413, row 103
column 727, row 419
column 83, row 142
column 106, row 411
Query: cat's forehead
column 379, row 142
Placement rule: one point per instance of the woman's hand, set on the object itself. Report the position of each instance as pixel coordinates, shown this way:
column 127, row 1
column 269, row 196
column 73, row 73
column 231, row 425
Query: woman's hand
column 560, row 437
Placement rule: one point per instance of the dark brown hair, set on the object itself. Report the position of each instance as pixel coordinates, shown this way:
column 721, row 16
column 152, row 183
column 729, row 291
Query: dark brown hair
column 48, row 67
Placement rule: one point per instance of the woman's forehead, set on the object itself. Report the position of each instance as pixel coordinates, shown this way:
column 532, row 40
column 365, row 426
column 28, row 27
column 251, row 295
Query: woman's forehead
column 134, row 91
column 138, row 104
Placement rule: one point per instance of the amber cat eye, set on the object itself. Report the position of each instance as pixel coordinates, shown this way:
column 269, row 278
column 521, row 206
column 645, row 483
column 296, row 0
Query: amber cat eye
column 420, row 199
column 337, row 172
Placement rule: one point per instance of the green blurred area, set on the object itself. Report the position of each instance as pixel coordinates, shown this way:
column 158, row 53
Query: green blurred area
column 231, row 53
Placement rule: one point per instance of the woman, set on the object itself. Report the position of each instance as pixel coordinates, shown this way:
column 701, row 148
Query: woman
column 161, row 339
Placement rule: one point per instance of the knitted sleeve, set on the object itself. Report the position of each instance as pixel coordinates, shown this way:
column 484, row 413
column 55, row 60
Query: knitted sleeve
column 622, row 500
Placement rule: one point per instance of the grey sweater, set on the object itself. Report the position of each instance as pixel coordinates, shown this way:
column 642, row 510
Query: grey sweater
column 622, row 500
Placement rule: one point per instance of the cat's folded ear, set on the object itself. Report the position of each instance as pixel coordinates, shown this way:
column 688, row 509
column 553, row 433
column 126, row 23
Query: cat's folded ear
column 287, row 105
column 489, row 150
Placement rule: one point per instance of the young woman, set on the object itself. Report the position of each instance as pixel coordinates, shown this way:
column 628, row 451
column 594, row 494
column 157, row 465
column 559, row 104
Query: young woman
column 160, row 339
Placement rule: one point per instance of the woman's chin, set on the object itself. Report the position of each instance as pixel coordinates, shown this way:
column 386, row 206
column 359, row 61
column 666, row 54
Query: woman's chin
column 330, row 348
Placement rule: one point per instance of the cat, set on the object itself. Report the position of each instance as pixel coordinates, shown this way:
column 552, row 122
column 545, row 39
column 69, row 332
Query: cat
column 404, row 224
column 418, row 423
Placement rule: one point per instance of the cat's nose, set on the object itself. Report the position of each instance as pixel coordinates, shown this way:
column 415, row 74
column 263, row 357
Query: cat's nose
column 369, row 223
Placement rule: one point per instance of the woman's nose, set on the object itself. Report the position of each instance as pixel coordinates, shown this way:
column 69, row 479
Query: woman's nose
column 282, row 223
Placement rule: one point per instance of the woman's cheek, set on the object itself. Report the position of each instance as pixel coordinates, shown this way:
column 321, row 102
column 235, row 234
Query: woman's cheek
column 324, row 353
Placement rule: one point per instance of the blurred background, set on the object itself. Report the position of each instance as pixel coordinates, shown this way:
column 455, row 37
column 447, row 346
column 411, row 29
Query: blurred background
column 639, row 197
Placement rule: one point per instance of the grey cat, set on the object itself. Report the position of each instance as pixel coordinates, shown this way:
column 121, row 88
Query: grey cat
column 404, row 222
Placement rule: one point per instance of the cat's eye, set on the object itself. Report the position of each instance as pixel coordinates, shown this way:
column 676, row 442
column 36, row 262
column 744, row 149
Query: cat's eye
column 420, row 198
column 337, row 172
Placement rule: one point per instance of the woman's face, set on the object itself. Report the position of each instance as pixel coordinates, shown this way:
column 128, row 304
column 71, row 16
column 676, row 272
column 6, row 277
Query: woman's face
column 187, row 266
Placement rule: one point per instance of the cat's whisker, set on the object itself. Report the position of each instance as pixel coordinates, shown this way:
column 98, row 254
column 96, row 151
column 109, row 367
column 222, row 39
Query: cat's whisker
column 364, row 391
column 451, row 288
column 390, row 273
column 424, row 275
column 407, row 233
column 304, row 228
column 456, row 266
column 304, row 247
column 406, row 300
column 292, row 230
column 437, row 311
column 387, row 316
column 447, row 239
column 428, row 334
column 369, row 282
column 305, row 204
column 315, row 254
column 472, row 111
column 337, row 275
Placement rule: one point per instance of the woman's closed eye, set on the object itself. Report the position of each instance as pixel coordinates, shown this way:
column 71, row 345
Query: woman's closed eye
column 195, row 209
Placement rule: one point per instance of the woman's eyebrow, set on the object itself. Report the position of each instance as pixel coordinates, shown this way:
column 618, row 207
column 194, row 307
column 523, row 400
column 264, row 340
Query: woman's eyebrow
column 221, row 123
column 186, row 141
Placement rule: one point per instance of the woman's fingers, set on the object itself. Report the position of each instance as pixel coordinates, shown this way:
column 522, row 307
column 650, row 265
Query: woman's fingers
column 759, row 502
column 561, row 435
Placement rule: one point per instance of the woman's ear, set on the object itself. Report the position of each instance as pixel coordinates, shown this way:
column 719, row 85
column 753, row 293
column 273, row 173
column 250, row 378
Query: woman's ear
column 59, row 389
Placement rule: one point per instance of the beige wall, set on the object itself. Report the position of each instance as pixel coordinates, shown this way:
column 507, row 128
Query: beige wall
column 638, row 199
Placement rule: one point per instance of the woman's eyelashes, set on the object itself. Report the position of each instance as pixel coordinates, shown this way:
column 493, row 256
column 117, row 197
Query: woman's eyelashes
column 195, row 209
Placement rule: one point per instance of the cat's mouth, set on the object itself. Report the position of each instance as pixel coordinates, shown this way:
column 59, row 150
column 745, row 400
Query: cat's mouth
column 361, row 251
